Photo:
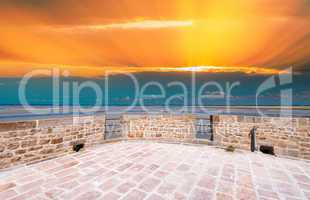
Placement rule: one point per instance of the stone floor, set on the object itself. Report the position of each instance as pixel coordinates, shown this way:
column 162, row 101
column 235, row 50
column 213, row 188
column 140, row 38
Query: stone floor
column 153, row 171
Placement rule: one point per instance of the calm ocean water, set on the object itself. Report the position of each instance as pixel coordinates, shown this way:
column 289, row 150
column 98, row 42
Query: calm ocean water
column 9, row 113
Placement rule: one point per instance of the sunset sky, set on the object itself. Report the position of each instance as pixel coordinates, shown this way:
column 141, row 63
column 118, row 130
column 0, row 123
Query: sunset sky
column 91, row 37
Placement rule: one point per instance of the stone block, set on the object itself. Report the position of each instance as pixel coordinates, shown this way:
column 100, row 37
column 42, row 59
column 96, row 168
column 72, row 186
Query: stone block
column 35, row 148
column 13, row 146
column 249, row 119
column 240, row 118
column 20, row 151
column 12, row 126
column 11, row 134
column 47, row 151
column 7, row 186
column 28, row 155
column 302, row 122
column 6, row 155
column 28, row 143
column 293, row 153
column 16, row 159
column 56, row 140
column 216, row 119
column 44, row 141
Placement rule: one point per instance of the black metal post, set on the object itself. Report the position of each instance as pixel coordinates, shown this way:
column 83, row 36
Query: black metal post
column 211, row 127
column 253, row 139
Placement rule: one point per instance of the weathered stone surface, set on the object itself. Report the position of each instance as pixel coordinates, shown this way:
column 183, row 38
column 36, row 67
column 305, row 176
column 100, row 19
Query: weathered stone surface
column 24, row 142
column 158, row 171
column 44, row 141
column 13, row 146
column 28, row 143
column 287, row 135
column 47, row 151
column 7, row 186
column 11, row 126
column 57, row 141
column 6, row 155
column 35, row 148
column 20, row 151
column 159, row 126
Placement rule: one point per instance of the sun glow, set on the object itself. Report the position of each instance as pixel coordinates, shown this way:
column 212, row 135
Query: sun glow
column 252, row 37
column 20, row 69
column 219, row 69
column 138, row 24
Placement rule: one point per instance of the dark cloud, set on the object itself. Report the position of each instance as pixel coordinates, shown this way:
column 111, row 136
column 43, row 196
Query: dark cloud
column 44, row 5
column 303, row 67
column 94, row 11
column 304, row 9
column 11, row 56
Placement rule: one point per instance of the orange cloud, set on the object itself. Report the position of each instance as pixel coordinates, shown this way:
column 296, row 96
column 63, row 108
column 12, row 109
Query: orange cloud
column 20, row 69
column 219, row 69
column 141, row 24
column 142, row 35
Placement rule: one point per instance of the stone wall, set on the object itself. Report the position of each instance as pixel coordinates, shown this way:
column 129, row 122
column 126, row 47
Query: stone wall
column 288, row 136
column 163, row 127
column 32, row 141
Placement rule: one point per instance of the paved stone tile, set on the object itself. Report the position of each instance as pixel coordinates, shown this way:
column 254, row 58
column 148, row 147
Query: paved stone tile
column 207, row 182
column 124, row 167
column 149, row 184
column 300, row 178
column 111, row 196
column 53, row 193
column 125, row 187
column 268, row 194
column 30, row 186
column 140, row 176
column 155, row 197
column 7, row 194
column 135, row 195
column 183, row 167
column 225, row 187
column 109, row 184
column 69, row 185
column 213, row 170
column 200, row 194
column 27, row 195
column 74, row 193
column 166, row 188
column 90, row 195
column 7, row 186
column 155, row 171
column 179, row 196
column 222, row 196
column 307, row 195
column 245, row 193
column 161, row 174
column 151, row 168
column 245, row 181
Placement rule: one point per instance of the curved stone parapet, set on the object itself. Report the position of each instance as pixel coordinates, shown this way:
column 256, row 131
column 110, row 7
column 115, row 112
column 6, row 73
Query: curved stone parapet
column 288, row 136
column 35, row 140
column 32, row 141
column 176, row 127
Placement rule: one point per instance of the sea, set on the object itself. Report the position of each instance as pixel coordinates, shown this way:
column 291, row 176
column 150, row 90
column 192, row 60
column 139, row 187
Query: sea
column 18, row 113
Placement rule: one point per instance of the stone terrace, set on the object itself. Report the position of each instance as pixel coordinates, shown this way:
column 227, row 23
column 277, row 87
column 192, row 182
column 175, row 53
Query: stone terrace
column 149, row 170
